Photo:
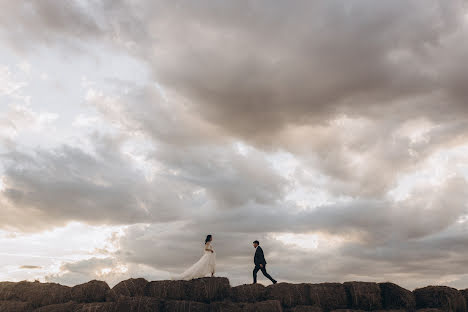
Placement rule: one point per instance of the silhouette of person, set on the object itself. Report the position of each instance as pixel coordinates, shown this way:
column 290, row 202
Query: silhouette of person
column 260, row 263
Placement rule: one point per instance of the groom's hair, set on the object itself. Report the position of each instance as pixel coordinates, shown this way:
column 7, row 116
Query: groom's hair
column 256, row 242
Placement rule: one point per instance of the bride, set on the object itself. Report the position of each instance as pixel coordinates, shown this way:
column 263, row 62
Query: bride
column 206, row 265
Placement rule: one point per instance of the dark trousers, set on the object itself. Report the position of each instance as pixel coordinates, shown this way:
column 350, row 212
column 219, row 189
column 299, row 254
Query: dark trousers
column 263, row 269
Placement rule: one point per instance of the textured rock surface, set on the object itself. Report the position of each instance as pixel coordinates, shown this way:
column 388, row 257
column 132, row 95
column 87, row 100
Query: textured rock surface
column 17, row 306
column 440, row 297
column 216, row 295
column 185, row 306
column 328, row 296
column 60, row 307
column 305, row 309
column 37, row 294
column 92, row 291
column 200, row 290
column 289, row 295
column 207, row 289
column 396, row 297
column 96, row 307
column 263, row 306
column 248, row 293
column 225, row 307
column 130, row 288
column 137, row 304
column 173, row 290
column 364, row 296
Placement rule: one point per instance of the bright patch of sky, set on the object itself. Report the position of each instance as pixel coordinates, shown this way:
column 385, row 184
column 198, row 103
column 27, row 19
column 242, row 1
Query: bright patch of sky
column 47, row 251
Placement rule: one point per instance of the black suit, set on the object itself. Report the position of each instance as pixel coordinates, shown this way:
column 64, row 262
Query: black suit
column 259, row 259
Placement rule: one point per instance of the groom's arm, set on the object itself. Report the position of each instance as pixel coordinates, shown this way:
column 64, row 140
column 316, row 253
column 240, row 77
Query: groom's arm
column 261, row 257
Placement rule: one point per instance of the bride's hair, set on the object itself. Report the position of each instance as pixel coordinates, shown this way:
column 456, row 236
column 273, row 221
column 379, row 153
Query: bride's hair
column 208, row 238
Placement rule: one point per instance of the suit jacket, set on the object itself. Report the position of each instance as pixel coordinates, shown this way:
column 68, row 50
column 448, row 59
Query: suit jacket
column 259, row 257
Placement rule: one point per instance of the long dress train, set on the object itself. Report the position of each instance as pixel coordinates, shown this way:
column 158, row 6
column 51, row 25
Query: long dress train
column 203, row 267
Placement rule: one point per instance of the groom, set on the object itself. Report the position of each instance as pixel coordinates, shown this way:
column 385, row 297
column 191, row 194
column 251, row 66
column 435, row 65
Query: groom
column 260, row 263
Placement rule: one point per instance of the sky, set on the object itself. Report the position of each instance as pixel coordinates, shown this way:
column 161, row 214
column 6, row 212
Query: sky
column 334, row 132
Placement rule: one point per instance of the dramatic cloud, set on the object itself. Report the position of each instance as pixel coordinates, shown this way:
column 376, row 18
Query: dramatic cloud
column 335, row 132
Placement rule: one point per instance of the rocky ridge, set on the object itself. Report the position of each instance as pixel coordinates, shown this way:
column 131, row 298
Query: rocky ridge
column 216, row 295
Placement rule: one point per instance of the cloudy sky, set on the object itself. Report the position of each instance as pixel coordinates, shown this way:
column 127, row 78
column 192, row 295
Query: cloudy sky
column 335, row 132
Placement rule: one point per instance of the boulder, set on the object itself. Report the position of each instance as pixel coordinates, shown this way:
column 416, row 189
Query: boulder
column 131, row 288
column 363, row 295
column 305, row 309
column 440, row 297
column 395, row 297
column 248, row 293
column 137, row 304
column 226, row 307
column 185, row 306
column 38, row 294
column 347, row 310
column 464, row 293
column 96, row 307
column 92, row 291
column 60, row 307
column 172, row 290
column 207, row 289
column 289, row 295
column 263, row 306
column 328, row 296
column 7, row 291
column 429, row 310
column 15, row 306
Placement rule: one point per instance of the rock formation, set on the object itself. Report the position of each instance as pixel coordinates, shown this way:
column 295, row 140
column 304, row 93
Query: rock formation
column 216, row 295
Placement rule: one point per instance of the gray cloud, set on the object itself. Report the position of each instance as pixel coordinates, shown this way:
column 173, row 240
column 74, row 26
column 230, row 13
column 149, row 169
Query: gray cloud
column 53, row 187
column 342, row 86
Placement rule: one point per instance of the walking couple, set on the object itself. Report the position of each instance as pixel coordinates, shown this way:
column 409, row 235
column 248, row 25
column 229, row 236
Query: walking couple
column 207, row 263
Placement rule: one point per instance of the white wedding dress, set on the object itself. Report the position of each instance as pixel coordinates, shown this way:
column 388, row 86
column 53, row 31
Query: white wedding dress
column 203, row 267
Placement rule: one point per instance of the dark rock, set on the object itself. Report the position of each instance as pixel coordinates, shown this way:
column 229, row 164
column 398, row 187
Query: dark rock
column 137, row 304
column 207, row 289
column 248, row 293
column 202, row 289
column 429, row 310
column 289, row 295
column 396, row 297
column 96, row 307
column 464, row 293
column 185, row 306
column 15, row 306
column 92, row 291
column 60, row 307
column 226, row 307
column 7, row 291
column 305, row 309
column 328, row 296
column 440, row 297
column 364, row 296
column 347, row 310
column 38, row 294
column 174, row 290
column 131, row 288
column 263, row 306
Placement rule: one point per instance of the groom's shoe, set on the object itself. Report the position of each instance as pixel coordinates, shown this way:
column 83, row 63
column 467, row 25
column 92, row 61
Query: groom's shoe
column 274, row 282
